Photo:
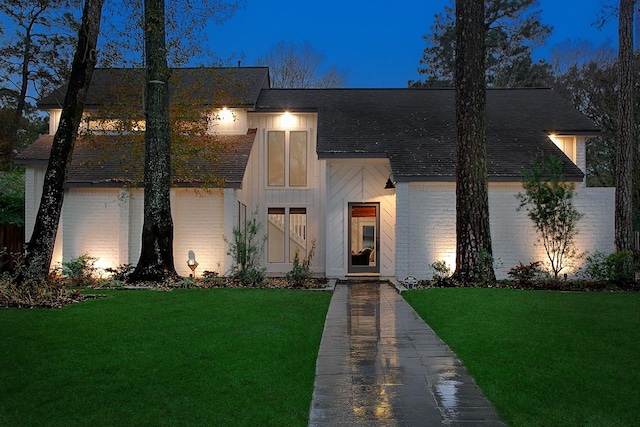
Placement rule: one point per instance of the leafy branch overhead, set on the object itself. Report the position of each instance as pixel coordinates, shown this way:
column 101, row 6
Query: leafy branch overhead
column 513, row 29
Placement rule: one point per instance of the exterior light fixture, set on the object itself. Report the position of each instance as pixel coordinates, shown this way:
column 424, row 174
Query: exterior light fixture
column 390, row 185
column 287, row 120
column 192, row 263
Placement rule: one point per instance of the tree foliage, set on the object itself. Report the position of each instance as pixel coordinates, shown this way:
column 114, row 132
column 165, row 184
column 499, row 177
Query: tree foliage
column 299, row 66
column 512, row 30
column 548, row 199
column 185, row 31
column 34, row 58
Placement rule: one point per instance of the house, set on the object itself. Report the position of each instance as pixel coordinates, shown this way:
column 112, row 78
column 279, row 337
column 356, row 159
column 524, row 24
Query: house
column 312, row 165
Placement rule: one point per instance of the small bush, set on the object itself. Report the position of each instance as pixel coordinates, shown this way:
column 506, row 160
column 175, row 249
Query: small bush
column 79, row 271
column 50, row 294
column 246, row 250
column 612, row 268
column 442, row 276
column 301, row 271
column 120, row 273
column 527, row 275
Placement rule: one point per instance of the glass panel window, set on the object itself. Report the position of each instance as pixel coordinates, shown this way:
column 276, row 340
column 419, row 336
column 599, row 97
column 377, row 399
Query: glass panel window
column 287, row 234
column 287, row 158
column 297, row 233
column 276, row 235
column 275, row 154
column 298, row 159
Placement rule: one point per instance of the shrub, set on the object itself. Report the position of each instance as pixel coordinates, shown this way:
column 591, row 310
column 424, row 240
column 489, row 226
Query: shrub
column 526, row 275
column 611, row 268
column 246, row 251
column 442, row 274
column 120, row 273
column 79, row 271
column 548, row 201
column 301, row 271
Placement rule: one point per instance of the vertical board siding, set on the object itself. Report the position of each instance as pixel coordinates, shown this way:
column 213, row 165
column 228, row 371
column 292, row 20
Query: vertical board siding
column 347, row 183
column 259, row 197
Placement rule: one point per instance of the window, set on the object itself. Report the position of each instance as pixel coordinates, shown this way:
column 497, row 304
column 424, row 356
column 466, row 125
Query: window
column 287, row 158
column 286, row 234
column 567, row 144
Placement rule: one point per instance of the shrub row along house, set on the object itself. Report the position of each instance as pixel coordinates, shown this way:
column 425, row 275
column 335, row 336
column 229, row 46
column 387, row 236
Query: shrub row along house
column 368, row 175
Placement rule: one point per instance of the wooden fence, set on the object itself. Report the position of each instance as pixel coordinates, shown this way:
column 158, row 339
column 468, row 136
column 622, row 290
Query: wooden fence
column 11, row 238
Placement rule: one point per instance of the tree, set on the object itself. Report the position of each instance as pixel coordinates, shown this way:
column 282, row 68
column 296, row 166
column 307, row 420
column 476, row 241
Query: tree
column 185, row 31
column 473, row 237
column 298, row 66
column 40, row 247
column 156, row 257
column 548, row 200
column 512, row 30
column 625, row 154
column 35, row 55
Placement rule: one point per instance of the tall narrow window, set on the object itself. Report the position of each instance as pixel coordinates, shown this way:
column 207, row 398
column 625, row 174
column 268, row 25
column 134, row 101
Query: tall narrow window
column 298, row 159
column 276, row 235
column 286, row 234
column 297, row 233
column 275, row 154
column 287, row 158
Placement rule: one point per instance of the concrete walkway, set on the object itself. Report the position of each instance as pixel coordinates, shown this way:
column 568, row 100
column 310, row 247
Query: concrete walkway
column 380, row 365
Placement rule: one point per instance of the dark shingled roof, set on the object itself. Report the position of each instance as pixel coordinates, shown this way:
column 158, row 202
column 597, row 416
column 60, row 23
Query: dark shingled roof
column 230, row 87
column 110, row 164
column 415, row 128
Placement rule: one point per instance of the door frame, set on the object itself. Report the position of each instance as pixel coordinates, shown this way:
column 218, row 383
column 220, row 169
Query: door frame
column 355, row 269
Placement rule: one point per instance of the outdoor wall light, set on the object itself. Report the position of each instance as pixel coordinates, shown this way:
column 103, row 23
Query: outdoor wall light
column 226, row 115
column 287, row 120
column 390, row 185
column 192, row 263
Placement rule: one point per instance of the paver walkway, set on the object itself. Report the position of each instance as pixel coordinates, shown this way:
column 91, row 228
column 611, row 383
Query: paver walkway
column 380, row 365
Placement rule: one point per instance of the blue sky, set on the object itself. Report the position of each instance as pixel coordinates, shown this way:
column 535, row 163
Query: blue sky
column 378, row 43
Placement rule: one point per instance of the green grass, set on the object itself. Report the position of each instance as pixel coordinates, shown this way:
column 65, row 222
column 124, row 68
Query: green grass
column 241, row 357
column 545, row 358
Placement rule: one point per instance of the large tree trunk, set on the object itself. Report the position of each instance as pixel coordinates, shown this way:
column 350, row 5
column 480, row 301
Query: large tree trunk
column 473, row 238
column 625, row 152
column 156, row 257
column 40, row 247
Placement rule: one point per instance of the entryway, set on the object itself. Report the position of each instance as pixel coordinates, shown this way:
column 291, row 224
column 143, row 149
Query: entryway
column 364, row 238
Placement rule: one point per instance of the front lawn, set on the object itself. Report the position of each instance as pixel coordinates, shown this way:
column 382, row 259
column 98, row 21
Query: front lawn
column 544, row 358
column 241, row 357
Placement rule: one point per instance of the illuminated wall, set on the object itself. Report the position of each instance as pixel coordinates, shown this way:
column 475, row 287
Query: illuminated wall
column 426, row 227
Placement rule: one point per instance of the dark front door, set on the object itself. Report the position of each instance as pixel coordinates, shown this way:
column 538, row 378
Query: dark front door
column 364, row 237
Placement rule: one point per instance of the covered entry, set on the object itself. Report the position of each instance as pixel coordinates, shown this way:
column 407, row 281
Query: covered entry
column 364, row 237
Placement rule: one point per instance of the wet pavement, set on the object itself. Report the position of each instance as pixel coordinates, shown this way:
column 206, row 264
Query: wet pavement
column 379, row 364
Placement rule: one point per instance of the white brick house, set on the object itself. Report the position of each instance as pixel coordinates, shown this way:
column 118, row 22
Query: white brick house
column 312, row 164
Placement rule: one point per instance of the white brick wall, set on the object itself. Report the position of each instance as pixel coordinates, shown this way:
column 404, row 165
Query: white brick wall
column 429, row 234
column 198, row 219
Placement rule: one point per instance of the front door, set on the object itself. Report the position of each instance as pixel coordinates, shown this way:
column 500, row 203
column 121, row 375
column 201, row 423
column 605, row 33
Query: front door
column 364, row 237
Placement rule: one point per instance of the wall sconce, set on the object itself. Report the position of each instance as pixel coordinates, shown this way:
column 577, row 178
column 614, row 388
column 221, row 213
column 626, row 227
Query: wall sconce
column 390, row 185
column 192, row 263
column 287, row 120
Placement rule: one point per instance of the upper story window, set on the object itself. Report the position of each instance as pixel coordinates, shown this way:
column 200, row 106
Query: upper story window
column 567, row 144
column 287, row 158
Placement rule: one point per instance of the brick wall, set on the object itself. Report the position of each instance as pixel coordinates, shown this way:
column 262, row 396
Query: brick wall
column 426, row 227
